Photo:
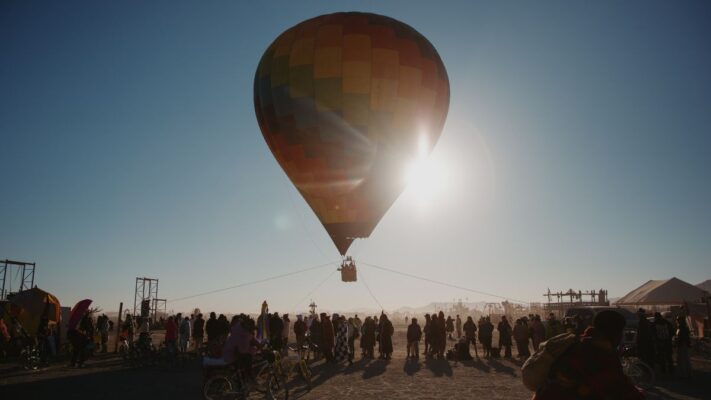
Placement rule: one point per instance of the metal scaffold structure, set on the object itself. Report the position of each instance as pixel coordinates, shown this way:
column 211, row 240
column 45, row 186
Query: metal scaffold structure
column 24, row 275
column 145, row 298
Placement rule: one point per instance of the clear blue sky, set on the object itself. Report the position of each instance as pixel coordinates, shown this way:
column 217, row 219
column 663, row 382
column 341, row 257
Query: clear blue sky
column 576, row 153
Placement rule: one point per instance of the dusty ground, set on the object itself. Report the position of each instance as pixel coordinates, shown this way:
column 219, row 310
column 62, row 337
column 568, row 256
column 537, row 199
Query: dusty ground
column 106, row 377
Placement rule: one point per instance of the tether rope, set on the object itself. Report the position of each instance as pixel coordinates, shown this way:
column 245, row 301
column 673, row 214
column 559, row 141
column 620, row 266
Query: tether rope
column 314, row 289
column 253, row 282
column 370, row 291
column 441, row 283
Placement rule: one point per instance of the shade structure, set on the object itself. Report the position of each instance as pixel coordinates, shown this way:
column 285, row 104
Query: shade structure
column 705, row 285
column 672, row 291
column 33, row 304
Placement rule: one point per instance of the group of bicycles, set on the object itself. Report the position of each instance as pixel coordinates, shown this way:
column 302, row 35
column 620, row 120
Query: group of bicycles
column 269, row 376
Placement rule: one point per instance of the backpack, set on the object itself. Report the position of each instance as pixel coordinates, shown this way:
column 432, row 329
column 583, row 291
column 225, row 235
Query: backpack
column 535, row 370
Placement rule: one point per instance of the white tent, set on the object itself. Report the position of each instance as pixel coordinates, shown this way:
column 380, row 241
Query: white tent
column 666, row 292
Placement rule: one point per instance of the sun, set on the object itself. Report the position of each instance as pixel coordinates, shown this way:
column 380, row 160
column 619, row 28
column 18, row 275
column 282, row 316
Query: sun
column 425, row 176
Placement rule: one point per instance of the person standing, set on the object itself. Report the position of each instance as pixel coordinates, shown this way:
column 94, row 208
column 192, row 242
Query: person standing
column 414, row 334
column 103, row 326
column 212, row 329
column 300, row 331
column 458, row 326
column 353, row 334
column 683, row 342
column 171, row 334
column 428, row 336
column 505, row 336
column 386, row 336
column 316, row 336
column 129, row 328
column 184, row 334
column 663, row 333
column 341, row 348
column 486, row 335
column 538, row 332
column 441, row 335
column 285, row 330
column 645, row 339
column 198, row 332
column 367, row 341
column 276, row 330
column 470, row 334
column 520, row 334
column 450, row 327
column 328, row 338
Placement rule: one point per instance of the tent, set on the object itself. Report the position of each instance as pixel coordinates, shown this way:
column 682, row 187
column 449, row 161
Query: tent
column 705, row 285
column 29, row 306
column 668, row 292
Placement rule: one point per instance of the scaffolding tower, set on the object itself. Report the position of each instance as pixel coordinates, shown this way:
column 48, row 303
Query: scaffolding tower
column 24, row 270
column 146, row 293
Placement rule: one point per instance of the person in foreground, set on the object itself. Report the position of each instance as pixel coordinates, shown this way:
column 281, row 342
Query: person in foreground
column 591, row 369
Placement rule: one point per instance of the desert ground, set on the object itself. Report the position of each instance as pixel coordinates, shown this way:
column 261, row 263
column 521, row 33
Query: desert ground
column 106, row 377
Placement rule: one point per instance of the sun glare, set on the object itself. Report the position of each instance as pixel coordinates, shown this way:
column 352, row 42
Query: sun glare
column 425, row 178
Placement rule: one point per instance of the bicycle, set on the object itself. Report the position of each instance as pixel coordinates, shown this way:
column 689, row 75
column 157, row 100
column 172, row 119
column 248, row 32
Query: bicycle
column 291, row 365
column 230, row 382
column 636, row 370
column 30, row 358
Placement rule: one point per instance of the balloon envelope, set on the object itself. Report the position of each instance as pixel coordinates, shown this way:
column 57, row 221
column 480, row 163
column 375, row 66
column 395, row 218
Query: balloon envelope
column 346, row 102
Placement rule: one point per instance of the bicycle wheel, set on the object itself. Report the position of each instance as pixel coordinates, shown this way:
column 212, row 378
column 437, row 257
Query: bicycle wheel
column 218, row 387
column 305, row 372
column 641, row 374
column 276, row 388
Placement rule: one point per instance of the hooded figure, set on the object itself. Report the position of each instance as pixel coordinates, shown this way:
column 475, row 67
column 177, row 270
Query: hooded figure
column 386, row 336
column 328, row 338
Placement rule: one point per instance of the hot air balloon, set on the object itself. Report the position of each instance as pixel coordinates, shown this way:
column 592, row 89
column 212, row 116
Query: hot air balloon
column 346, row 102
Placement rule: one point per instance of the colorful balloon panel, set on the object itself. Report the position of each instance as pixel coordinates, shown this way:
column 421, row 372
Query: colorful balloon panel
column 345, row 102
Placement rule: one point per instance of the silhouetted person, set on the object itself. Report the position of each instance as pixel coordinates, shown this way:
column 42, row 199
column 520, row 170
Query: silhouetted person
column 538, row 332
column 212, row 329
column 414, row 334
column 520, row 334
column 276, row 327
column 386, row 336
column 591, row 369
column 458, row 326
column 682, row 350
column 328, row 339
column 300, row 331
column 441, row 335
column 367, row 341
column 470, row 334
column 504, row 336
column 198, row 331
column 486, row 335
column 428, row 336
column 450, row 326
column 223, row 328
column 663, row 333
column 645, row 339
column 316, row 336
column 554, row 327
